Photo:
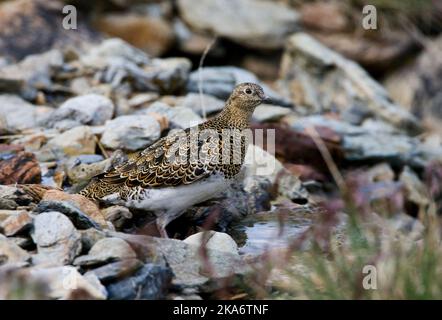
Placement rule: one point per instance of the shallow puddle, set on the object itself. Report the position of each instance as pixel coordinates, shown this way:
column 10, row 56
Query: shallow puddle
column 264, row 231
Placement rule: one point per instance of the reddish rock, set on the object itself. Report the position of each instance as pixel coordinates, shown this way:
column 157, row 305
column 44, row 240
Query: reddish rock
column 82, row 203
column 21, row 168
column 151, row 34
column 16, row 223
column 299, row 147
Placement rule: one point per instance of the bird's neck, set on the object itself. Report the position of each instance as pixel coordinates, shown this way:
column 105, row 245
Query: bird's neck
column 234, row 116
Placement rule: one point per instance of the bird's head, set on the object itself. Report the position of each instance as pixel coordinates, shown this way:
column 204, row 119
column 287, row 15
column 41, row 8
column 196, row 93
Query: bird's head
column 247, row 96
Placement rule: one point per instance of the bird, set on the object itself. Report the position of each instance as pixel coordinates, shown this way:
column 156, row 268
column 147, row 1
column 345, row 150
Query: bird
column 184, row 168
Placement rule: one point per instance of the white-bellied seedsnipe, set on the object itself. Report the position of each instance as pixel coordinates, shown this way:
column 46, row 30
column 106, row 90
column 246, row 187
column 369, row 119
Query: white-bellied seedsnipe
column 174, row 173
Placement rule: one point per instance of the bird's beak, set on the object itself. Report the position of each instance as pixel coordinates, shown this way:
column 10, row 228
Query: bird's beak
column 265, row 98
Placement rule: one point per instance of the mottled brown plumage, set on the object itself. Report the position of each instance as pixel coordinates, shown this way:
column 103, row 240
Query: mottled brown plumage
column 173, row 161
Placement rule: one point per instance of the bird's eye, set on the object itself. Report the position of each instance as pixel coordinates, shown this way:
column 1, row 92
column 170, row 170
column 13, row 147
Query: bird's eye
column 248, row 91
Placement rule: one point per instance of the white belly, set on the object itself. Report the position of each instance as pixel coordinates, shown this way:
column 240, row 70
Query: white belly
column 176, row 199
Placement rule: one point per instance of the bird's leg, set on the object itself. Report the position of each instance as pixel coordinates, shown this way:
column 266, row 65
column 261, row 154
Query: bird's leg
column 162, row 223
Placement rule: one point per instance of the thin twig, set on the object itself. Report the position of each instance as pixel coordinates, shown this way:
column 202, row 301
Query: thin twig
column 200, row 76
column 100, row 146
column 336, row 174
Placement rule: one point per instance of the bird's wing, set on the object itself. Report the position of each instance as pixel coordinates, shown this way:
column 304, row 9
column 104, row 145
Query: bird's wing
column 168, row 162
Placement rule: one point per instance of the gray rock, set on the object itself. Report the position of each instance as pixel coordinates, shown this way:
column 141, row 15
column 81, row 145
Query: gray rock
column 220, row 82
column 17, row 223
column 257, row 24
column 132, row 132
column 327, row 81
column 106, row 250
column 260, row 163
column 64, row 281
column 76, row 141
column 266, row 112
column 116, row 270
column 150, row 282
column 360, row 144
column 213, row 241
column 99, row 56
column 16, row 114
column 89, row 109
column 196, row 102
column 79, row 168
column 90, row 237
column 32, row 73
column 77, row 217
column 164, row 76
column 12, row 197
column 186, row 261
column 179, row 117
column 11, row 252
column 415, row 189
column 58, row 242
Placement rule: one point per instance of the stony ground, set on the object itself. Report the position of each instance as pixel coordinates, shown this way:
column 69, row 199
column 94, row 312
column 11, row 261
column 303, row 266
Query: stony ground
column 75, row 103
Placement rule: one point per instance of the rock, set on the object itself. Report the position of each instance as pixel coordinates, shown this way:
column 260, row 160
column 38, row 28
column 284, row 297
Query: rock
column 31, row 74
column 58, row 242
column 142, row 99
column 256, row 24
column 66, row 283
column 117, row 215
column 23, row 242
column 192, row 42
column 265, row 112
column 88, row 109
column 360, row 144
column 259, row 162
column 186, row 261
column 80, row 169
column 119, row 62
column 325, row 16
column 12, row 197
column 10, row 252
column 87, row 213
column 89, row 237
column 76, row 141
column 18, row 223
column 116, row 270
column 113, row 49
column 151, row 34
column 106, row 250
column 21, row 168
column 195, row 102
column 415, row 189
column 220, row 82
column 213, row 241
column 179, row 117
column 78, row 218
column 83, row 167
column 19, row 20
column 417, row 85
column 150, row 282
column 131, row 132
column 5, row 214
column 16, row 114
column 322, row 80
column 381, row 172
